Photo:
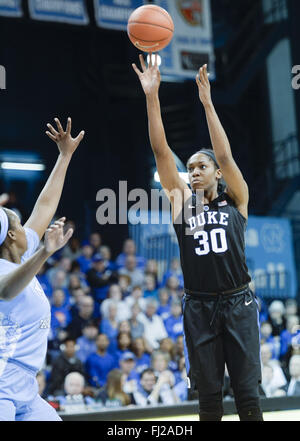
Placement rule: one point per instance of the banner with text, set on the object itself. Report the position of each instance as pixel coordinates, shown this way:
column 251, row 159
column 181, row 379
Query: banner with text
column 64, row 11
column 114, row 14
column 11, row 8
column 192, row 43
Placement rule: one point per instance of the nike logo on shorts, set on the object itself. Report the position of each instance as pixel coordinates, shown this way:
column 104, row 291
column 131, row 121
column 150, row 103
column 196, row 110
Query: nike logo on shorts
column 248, row 303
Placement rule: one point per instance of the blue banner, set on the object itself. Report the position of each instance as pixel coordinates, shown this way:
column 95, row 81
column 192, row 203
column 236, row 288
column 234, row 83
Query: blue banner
column 64, row 11
column 114, row 14
column 11, row 8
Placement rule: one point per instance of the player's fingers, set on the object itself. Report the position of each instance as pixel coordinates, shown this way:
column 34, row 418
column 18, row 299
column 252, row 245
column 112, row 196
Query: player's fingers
column 68, row 234
column 205, row 73
column 59, row 126
column 52, row 130
column 198, row 81
column 201, row 75
column 80, row 136
column 69, row 126
column 155, row 60
column 136, row 69
column 51, row 136
column 142, row 61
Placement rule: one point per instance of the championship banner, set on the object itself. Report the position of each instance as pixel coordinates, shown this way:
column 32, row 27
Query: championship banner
column 192, row 43
column 63, row 11
column 114, row 14
column 11, row 8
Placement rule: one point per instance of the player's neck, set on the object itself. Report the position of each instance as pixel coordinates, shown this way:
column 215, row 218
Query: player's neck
column 10, row 254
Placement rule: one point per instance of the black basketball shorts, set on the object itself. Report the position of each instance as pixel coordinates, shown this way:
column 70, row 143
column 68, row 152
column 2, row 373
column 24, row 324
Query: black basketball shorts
column 219, row 329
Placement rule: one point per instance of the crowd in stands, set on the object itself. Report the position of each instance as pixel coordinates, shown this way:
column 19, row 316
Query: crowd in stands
column 116, row 336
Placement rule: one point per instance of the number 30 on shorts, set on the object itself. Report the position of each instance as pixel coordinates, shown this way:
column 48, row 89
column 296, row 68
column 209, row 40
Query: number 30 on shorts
column 215, row 240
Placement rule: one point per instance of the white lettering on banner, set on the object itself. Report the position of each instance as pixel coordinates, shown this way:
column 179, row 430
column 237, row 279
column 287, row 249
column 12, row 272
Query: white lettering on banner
column 110, row 12
column 8, row 3
column 58, row 6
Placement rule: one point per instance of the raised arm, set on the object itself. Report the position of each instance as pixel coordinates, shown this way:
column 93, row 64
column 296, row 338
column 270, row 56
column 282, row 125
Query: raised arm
column 236, row 185
column 49, row 198
column 165, row 162
column 14, row 282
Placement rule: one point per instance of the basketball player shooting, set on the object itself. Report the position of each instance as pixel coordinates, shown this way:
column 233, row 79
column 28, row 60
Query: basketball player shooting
column 24, row 308
column 220, row 311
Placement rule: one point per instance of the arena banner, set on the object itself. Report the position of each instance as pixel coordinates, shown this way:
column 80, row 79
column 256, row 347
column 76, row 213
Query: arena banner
column 114, row 14
column 269, row 245
column 268, row 248
column 192, row 43
column 11, row 8
column 64, row 11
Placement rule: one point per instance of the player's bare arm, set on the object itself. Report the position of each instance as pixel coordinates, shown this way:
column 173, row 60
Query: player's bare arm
column 48, row 200
column 236, row 185
column 13, row 283
column 170, row 180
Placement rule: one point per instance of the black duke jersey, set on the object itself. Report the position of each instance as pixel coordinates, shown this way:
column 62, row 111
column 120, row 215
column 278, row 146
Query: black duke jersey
column 212, row 245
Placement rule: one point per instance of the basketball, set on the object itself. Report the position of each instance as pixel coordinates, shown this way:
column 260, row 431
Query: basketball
column 150, row 28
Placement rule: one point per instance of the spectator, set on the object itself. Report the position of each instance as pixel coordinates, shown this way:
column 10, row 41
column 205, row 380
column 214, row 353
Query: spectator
column 160, row 363
column 106, row 254
column 293, row 387
column 142, row 357
column 167, row 345
column 164, row 309
column 65, row 363
column 276, row 317
column 153, row 324
column 174, row 323
column 123, row 344
column 100, row 363
column 58, row 311
column 152, row 391
column 174, row 271
column 152, row 268
column 172, row 286
column 124, row 283
column 150, row 287
column 124, row 326
column 99, row 279
column 278, row 378
column 75, row 297
column 136, row 296
column 72, row 249
column 291, row 308
column 129, row 249
column 136, row 327
column 44, row 280
column 87, row 342
column 292, row 326
column 130, row 269
column 180, row 388
column 267, row 337
column 75, row 282
column 75, row 269
column 42, row 383
column 85, row 313
column 85, row 260
column 74, row 392
column 112, row 394
column 95, row 241
column 130, row 375
column 115, row 296
column 109, row 326
column 268, row 383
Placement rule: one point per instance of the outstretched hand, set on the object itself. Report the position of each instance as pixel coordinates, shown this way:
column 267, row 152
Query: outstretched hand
column 203, row 85
column 65, row 143
column 149, row 76
column 55, row 237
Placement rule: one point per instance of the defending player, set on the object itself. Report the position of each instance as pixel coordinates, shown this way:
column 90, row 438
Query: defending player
column 220, row 311
column 25, row 313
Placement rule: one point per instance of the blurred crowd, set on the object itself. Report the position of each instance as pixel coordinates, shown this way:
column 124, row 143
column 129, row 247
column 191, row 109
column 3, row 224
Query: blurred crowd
column 116, row 336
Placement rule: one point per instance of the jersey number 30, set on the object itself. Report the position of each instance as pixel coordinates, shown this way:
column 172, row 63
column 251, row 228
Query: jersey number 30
column 215, row 240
